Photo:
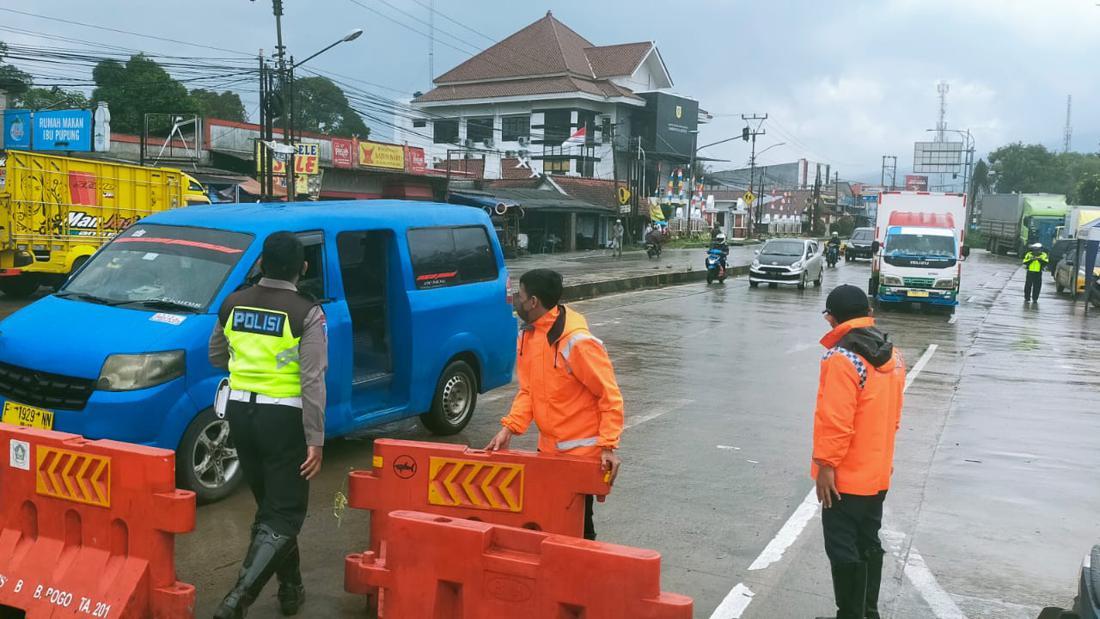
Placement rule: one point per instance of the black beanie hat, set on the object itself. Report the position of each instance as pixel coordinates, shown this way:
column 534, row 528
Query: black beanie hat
column 847, row 302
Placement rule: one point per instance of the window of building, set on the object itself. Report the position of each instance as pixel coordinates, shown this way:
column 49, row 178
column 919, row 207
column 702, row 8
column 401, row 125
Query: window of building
column 420, row 123
column 451, row 256
column 557, row 128
column 445, row 131
column 605, row 129
column 515, row 127
column 555, row 166
column 479, row 129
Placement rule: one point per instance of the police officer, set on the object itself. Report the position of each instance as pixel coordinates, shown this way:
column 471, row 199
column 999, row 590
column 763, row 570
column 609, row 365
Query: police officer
column 273, row 341
column 1036, row 261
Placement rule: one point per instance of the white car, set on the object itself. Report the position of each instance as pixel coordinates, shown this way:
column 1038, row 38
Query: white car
column 788, row 261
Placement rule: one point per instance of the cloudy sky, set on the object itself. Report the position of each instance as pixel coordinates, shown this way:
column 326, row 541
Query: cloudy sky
column 843, row 82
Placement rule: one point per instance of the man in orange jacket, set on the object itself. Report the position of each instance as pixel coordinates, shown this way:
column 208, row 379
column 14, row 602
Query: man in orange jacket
column 859, row 402
column 566, row 383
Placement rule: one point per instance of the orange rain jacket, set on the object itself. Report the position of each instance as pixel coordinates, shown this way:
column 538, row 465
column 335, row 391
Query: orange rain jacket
column 858, row 411
column 567, row 386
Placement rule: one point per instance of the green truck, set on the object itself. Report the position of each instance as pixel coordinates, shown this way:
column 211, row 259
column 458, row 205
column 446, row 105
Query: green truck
column 1012, row 221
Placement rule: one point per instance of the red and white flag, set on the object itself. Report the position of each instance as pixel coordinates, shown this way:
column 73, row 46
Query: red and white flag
column 576, row 139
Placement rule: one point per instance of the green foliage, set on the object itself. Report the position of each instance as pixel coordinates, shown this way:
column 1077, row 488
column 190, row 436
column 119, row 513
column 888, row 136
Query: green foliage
column 1019, row 168
column 12, row 80
column 321, row 107
column 979, row 181
column 844, row 226
column 1088, row 190
column 138, row 87
column 225, row 105
column 53, row 98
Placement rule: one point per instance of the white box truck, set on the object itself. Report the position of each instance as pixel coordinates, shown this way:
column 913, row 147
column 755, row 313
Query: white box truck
column 919, row 248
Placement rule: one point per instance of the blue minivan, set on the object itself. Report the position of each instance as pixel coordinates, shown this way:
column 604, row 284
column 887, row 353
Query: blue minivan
column 416, row 295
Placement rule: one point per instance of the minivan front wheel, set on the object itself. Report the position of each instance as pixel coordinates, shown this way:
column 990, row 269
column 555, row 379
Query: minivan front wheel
column 454, row 401
column 206, row 461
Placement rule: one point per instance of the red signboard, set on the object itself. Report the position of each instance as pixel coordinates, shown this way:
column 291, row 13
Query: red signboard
column 343, row 153
column 916, row 182
column 414, row 160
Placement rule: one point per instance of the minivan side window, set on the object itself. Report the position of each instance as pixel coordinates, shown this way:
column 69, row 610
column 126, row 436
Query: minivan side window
column 451, row 256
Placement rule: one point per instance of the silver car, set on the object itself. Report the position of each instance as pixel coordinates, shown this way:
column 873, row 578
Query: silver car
column 788, row 261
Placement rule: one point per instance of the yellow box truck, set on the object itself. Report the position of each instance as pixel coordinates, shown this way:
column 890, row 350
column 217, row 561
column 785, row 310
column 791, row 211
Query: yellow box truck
column 55, row 211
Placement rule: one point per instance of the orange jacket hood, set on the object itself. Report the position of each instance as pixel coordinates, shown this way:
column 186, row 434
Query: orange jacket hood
column 860, row 336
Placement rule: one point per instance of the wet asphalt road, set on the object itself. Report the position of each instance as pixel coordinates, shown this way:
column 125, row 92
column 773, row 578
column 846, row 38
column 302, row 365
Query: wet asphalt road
column 995, row 497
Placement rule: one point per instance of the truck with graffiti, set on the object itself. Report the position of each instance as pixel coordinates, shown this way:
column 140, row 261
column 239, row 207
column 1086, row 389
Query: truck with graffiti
column 55, row 211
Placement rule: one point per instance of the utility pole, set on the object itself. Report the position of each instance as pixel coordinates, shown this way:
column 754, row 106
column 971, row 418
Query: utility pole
column 1068, row 135
column 286, row 106
column 431, row 43
column 836, row 193
column 892, row 167
column 816, row 201
column 750, row 132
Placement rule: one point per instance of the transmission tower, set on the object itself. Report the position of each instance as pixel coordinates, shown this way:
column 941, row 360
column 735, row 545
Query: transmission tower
column 941, row 127
column 1068, row 135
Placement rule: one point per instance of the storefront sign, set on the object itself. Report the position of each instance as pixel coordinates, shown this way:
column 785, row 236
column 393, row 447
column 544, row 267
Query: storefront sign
column 375, row 155
column 414, row 160
column 916, row 182
column 17, row 129
column 343, row 153
column 69, row 130
column 306, row 160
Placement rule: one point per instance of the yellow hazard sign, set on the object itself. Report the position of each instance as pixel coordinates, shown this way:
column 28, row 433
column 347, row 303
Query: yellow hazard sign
column 74, row 476
column 478, row 485
column 624, row 195
column 748, row 197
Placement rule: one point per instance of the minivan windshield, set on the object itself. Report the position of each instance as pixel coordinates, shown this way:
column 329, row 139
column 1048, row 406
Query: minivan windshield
column 783, row 248
column 164, row 268
column 863, row 234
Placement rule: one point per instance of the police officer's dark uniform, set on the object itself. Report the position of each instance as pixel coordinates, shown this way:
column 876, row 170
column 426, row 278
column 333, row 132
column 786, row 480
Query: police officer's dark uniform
column 1036, row 261
column 273, row 341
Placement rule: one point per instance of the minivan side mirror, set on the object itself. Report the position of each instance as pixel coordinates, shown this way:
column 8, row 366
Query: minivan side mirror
column 756, row 253
column 875, row 246
column 965, row 251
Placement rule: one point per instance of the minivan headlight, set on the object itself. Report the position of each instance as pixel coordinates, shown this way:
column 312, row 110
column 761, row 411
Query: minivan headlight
column 796, row 266
column 132, row 372
column 947, row 283
column 891, row 280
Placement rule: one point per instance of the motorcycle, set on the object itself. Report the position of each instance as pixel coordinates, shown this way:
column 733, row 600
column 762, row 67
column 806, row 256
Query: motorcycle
column 716, row 266
column 653, row 250
column 832, row 255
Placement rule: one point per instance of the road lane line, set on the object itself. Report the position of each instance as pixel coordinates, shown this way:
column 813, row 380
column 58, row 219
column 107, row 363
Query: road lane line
column 734, row 604
column 736, row 601
column 969, row 299
column 637, row 421
column 923, row 361
column 789, row 533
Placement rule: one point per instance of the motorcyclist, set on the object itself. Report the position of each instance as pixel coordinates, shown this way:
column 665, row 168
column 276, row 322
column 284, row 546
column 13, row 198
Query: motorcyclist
column 653, row 237
column 719, row 242
column 834, row 244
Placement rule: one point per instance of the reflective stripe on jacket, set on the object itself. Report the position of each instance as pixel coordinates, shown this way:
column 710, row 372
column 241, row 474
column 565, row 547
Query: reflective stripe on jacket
column 1036, row 262
column 858, row 409
column 567, row 386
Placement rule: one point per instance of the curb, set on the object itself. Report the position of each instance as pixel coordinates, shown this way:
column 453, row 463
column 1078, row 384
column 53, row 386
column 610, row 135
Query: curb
column 657, row 280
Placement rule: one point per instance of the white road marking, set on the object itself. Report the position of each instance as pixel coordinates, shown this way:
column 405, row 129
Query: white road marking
column 923, row 361
column 637, row 421
column 728, row 447
column 788, row 533
column 734, row 604
column 943, row 607
column 736, row 601
column 969, row 299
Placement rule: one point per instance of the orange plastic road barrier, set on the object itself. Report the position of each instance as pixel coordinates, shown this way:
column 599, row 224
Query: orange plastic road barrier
column 442, row 568
column 87, row 528
column 517, row 488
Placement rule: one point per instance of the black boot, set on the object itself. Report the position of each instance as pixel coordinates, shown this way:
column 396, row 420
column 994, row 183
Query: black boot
column 267, row 551
column 874, row 580
column 292, row 594
column 850, row 589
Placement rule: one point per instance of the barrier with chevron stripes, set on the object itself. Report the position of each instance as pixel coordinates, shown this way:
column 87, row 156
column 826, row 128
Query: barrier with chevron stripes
column 544, row 492
column 87, row 528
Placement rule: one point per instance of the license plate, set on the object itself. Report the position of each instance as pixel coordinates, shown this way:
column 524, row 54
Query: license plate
column 18, row 414
column 917, row 293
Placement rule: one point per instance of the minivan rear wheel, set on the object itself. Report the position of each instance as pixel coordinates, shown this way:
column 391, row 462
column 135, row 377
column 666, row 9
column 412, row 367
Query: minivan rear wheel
column 206, row 461
column 20, row 286
column 454, row 401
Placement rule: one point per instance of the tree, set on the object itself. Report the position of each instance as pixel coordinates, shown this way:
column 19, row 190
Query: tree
column 979, row 180
column 226, row 105
column 13, row 80
column 136, row 88
column 1088, row 190
column 1026, row 169
column 320, row 106
column 52, row 98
